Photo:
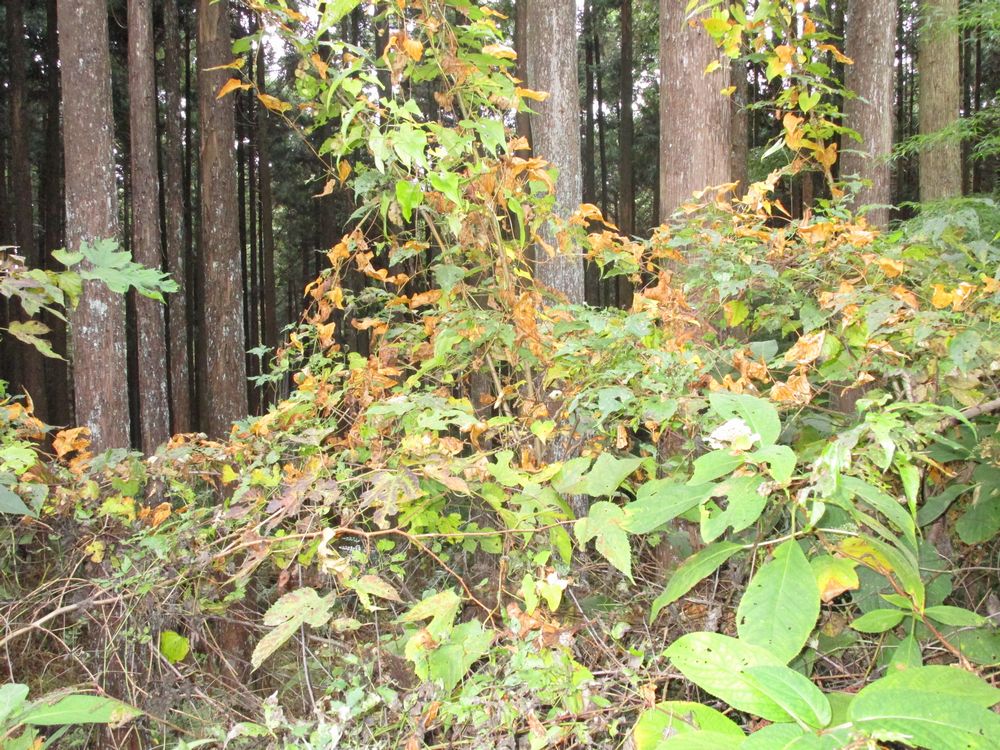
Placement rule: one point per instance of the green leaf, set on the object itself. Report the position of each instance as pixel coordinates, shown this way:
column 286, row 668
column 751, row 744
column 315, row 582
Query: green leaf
column 944, row 681
column 956, row 616
column 606, row 475
column 441, row 607
column 882, row 503
column 808, row 100
column 799, row 697
column 659, row 501
column 781, row 604
column 604, row 523
column 715, row 464
column 174, row 646
column 695, row 568
column 878, row 620
column 451, row 661
column 78, row 709
column 780, row 460
column 31, row 333
column 335, row 10
column 287, row 615
column 759, row 414
column 676, row 718
column 12, row 503
column 744, row 504
column 981, row 522
column 715, row 663
column 926, row 718
column 409, row 196
column 410, row 143
column 12, row 696
column 447, row 184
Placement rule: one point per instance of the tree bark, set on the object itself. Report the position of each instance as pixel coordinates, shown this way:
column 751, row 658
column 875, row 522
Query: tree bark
column 552, row 67
column 154, row 409
column 939, row 99
column 871, row 43
column 626, row 179
column 269, row 294
column 98, row 323
column 225, row 397
column 32, row 369
column 695, row 118
column 174, row 243
column 523, row 122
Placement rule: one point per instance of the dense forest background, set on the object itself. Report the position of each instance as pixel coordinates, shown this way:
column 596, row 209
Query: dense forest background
column 549, row 374
column 276, row 214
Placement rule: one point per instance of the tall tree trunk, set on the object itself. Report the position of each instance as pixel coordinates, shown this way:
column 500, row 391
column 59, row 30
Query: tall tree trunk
column 523, row 122
column 695, row 129
column 154, row 409
column 871, row 42
column 57, row 383
column 602, row 144
column 589, row 191
column 225, row 397
column 626, row 179
column 98, row 322
column 552, row 67
column 940, row 99
column 266, row 212
column 32, row 365
column 174, row 235
column 739, row 127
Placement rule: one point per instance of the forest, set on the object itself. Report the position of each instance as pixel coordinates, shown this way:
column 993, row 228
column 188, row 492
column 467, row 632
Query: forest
column 514, row 374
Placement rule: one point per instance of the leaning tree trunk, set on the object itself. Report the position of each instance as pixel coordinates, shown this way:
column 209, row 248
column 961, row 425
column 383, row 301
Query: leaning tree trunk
column 225, row 397
column 871, row 42
column 940, row 99
column 98, row 322
column 552, row 67
column 151, row 340
column 695, row 129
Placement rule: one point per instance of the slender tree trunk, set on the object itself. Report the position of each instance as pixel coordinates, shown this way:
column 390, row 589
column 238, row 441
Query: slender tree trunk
column 32, row 365
column 739, row 126
column 626, row 178
column 57, row 380
column 154, row 409
column 871, row 43
column 940, row 99
column 523, row 123
column 589, row 191
column 174, row 221
column 225, row 397
column 695, row 118
column 98, row 322
column 602, row 146
column 266, row 212
column 552, row 67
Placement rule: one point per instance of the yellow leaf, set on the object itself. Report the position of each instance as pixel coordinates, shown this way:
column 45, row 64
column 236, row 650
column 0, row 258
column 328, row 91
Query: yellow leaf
column 273, row 103
column 236, row 64
column 807, row 349
column 834, row 576
column 905, row 296
column 711, row 67
column 320, row 64
column 67, row 441
column 327, row 189
column 536, row 96
column 343, row 170
column 500, row 50
column 228, row 475
column 961, row 295
column 837, row 54
column 890, row 267
column 990, row 285
column 413, row 49
column 728, row 91
column 941, row 299
column 231, row 85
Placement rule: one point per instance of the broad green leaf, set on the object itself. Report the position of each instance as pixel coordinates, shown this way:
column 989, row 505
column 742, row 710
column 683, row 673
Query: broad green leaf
column 780, row 460
column 12, row 696
column 604, row 524
column 78, row 709
column 882, row 503
column 409, row 196
column 174, row 646
column 715, row 663
column 659, row 501
column 906, row 654
column 758, row 413
column 12, row 503
column 441, row 607
column 774, row 737
column 878, row 620
column 715, row 464
column 942, row 680
column 954, row 616
column 799, row 697
column 447, row 184
column 981, row 522
column 32, row 333
column 702, row 741
column 781, row 604
column 675, row 718
column 606, row 475
column 451, row 661
column 695, row 568
column 743, row 505
column 287, row 615
column 834, row 576
column 371, row 585
column 335, row 10
column 409, row 143
column 925, row 718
